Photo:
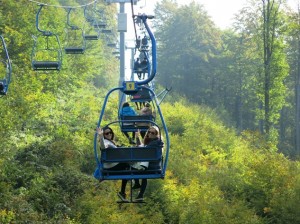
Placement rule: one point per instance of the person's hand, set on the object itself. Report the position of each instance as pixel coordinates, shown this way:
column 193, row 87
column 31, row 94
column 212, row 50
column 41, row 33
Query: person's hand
column 138, row 133
column 99, row 131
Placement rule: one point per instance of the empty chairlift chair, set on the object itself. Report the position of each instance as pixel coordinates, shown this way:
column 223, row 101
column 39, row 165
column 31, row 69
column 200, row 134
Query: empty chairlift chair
column 91, row 26
column 75, row 42
column 46, row 53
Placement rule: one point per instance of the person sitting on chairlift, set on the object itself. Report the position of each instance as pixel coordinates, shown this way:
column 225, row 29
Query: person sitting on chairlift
column 127, row 110
column 106, row 139
column 151, row 139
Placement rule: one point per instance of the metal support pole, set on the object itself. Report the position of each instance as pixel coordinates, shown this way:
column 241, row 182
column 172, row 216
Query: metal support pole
column 122, row 55
column 132, row 64
column 122, row 44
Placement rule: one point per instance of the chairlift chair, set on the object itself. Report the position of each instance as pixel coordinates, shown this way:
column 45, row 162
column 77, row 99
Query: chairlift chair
column 46, row 53
column 75, row 39
column 157, row 157
column 5, row 68
column 91, row 27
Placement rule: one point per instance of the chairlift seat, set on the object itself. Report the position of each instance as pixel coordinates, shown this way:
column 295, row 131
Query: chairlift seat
column 131, row 123
column 112, row 45
column 46, row 65
column 74, row 50
column 141, row 70
column 101, row 26
column 91, row 37
column 131, row 155
column 142, row 95
column 90, row 20
column 106, row 31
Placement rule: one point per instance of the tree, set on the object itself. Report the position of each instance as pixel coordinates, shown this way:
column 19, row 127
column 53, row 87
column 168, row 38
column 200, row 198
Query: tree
column 188, row 42
column 264, row 24
column 275, row 68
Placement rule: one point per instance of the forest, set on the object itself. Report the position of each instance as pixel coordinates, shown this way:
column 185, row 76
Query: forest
column 233, row 117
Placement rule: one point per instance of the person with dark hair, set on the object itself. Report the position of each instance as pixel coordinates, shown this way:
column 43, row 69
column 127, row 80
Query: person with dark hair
column 151, row 139
column 106, row 139
column 127, row 110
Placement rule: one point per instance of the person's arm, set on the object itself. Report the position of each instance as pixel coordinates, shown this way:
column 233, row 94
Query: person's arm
column 101, row 138
column 137, row 137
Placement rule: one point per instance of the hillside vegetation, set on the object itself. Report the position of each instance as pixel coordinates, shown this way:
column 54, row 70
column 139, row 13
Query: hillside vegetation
column 213, row 177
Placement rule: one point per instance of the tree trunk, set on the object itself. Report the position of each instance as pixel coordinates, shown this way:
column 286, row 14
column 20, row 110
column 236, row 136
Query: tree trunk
column 298, row 103
column 267, row 60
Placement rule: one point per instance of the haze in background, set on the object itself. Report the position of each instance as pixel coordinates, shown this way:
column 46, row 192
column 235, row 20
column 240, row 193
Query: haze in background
column 221, row 11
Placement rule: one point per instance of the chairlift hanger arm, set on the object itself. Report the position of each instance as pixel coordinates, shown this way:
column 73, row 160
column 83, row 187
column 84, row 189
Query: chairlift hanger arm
column 144, row 18
column 68, row 20
column 5, row 82
column 85, row 13
column 45, row 32
column 6, row 53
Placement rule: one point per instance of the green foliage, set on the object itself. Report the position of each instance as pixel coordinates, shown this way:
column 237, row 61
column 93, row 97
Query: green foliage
column 6, row 217
column 210, row 164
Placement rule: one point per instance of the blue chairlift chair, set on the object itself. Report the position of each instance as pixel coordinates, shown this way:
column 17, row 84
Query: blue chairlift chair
column 5, row 68
column 46, row 53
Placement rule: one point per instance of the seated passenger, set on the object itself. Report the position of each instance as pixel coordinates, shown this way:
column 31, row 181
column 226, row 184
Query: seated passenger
column 152, row 139
column 127, row 110
column 146, row 110
column 106, row 139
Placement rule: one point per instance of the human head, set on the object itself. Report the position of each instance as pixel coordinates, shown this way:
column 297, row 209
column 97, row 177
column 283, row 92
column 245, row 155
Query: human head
column 106, row 130
column 125, row 104
column 152, row 133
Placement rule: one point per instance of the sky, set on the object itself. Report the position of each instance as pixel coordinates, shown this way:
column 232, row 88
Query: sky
column 221, row 11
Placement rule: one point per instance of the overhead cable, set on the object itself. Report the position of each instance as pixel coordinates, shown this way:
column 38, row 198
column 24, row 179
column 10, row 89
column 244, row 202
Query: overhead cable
column 63, row 6
column 132, row 11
